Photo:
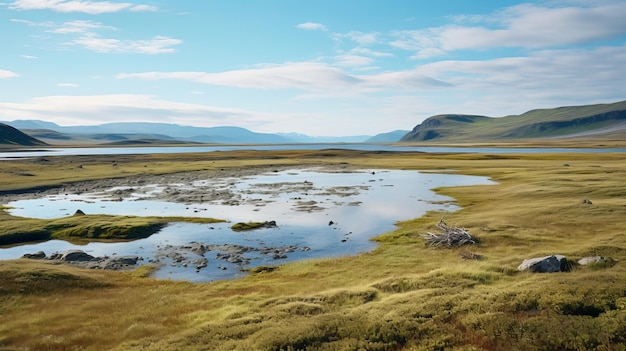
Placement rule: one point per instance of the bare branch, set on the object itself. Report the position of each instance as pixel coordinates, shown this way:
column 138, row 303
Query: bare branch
column 451, row 236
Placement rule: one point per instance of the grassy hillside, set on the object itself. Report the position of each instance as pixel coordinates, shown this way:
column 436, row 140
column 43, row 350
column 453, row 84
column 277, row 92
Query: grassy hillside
column 404, row 295
column 10, row 136
column 574, row 121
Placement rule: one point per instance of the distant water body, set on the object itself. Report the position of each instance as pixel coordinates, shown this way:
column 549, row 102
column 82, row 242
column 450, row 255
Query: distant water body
column 24, row 153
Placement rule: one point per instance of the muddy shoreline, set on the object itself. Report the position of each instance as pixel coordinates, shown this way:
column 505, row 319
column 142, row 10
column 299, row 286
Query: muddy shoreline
column 125, row 187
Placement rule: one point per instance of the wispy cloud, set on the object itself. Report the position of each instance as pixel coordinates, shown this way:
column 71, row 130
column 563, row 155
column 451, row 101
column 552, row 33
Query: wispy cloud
column 369, row 52
column 29, row 57
column 68, row 85
column 527, row 25
column 33, row 24
column 156, row 45
column 546, row 78
column 85, row 6
column 307, row 76
column 93, row 109
column 79, row 26
column 312, row 26
column 7, row 74
column 85, row 34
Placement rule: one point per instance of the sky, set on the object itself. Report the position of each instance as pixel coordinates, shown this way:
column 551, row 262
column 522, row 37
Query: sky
column 315, row 67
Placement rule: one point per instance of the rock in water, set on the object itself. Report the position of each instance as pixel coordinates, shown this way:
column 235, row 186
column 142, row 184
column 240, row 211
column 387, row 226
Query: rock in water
column 35, row 256
column 76, row 256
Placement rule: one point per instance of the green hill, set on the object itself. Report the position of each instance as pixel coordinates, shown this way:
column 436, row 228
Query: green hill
column 563, row 122
column 12, row 136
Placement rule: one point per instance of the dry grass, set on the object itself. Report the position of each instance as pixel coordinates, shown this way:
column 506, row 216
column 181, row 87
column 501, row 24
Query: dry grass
column 403, row 295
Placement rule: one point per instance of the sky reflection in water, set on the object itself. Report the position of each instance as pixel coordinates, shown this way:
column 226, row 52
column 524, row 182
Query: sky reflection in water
column 360, row 205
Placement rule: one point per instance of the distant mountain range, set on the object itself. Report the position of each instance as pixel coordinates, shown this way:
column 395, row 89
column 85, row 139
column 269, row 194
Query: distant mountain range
column 589, row 121
column 141, row 132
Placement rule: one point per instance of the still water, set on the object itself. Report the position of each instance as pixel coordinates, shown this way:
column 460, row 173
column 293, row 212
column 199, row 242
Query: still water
column 22, row 153
column 317, row 213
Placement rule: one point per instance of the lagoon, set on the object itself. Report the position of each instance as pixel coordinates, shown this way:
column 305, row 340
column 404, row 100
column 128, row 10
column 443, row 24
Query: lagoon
column 319, row 213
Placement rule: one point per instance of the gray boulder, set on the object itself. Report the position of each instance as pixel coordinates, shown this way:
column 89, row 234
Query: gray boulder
column 112, row 263
column 76, row 256
column 547, row 264
column 118, row 263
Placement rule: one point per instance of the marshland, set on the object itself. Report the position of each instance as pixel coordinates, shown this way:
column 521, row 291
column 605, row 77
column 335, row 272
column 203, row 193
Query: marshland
column 401, row 295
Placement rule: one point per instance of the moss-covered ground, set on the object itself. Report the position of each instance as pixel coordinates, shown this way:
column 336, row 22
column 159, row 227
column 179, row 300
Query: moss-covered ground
column 403, row 295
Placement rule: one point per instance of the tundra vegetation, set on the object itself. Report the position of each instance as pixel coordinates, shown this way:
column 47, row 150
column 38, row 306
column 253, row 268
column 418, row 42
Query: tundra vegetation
column 404, row 295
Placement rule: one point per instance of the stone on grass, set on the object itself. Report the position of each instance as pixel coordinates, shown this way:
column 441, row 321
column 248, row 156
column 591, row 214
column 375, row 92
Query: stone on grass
column 592, row 259
column 547, row 264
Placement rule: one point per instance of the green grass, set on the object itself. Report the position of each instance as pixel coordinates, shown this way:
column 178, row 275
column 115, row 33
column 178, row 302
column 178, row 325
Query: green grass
column 80, row 229
column 403, row 295
column 242, row 227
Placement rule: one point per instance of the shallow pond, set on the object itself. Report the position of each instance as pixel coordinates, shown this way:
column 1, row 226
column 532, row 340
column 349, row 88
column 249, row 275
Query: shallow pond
column 317, row 213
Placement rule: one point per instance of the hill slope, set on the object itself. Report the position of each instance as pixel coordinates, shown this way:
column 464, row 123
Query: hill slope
column 572, row 121
column 12, row 136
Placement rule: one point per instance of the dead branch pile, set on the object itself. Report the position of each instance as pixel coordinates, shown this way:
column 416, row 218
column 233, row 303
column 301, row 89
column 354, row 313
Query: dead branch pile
column 451, row 236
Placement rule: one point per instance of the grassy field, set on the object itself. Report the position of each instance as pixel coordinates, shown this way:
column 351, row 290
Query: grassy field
column 403, row 295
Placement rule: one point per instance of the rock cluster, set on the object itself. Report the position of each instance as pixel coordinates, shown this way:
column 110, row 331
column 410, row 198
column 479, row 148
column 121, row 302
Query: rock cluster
column 229, row 253
column 83, row 259
column 558, row 263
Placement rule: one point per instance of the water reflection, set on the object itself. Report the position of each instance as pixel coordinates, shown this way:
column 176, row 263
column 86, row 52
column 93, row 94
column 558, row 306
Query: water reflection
column 24, row 153
column 319, row 214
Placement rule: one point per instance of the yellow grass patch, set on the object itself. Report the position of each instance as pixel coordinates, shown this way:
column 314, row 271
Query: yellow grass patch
column 403, row 295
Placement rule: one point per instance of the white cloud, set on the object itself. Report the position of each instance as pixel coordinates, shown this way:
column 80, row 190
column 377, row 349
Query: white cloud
column 369, row 52
column 93, row 109
column 305, row 76
column 68, row 85
column 156, row 45
column 29, row 57
column 526, row 25
column 7, row 74
column 85, row 36
column 548, row 78
column 353, row 60
column 33, row 24
column 362, row 39
column 308, row 76
column 85, row 6
column 312, row 26
column 79, row 26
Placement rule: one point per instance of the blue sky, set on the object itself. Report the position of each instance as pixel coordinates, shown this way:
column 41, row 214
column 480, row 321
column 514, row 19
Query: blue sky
column 316, row 67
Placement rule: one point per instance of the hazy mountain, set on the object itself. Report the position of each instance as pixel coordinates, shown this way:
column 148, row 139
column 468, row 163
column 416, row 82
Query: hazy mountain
column 302, row 138
column 390, row 137
column 12, row 136
column 572, row 121
column 165, row 132
column 162, row 132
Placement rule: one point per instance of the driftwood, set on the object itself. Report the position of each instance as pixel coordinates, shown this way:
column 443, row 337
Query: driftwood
column 451, row 236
